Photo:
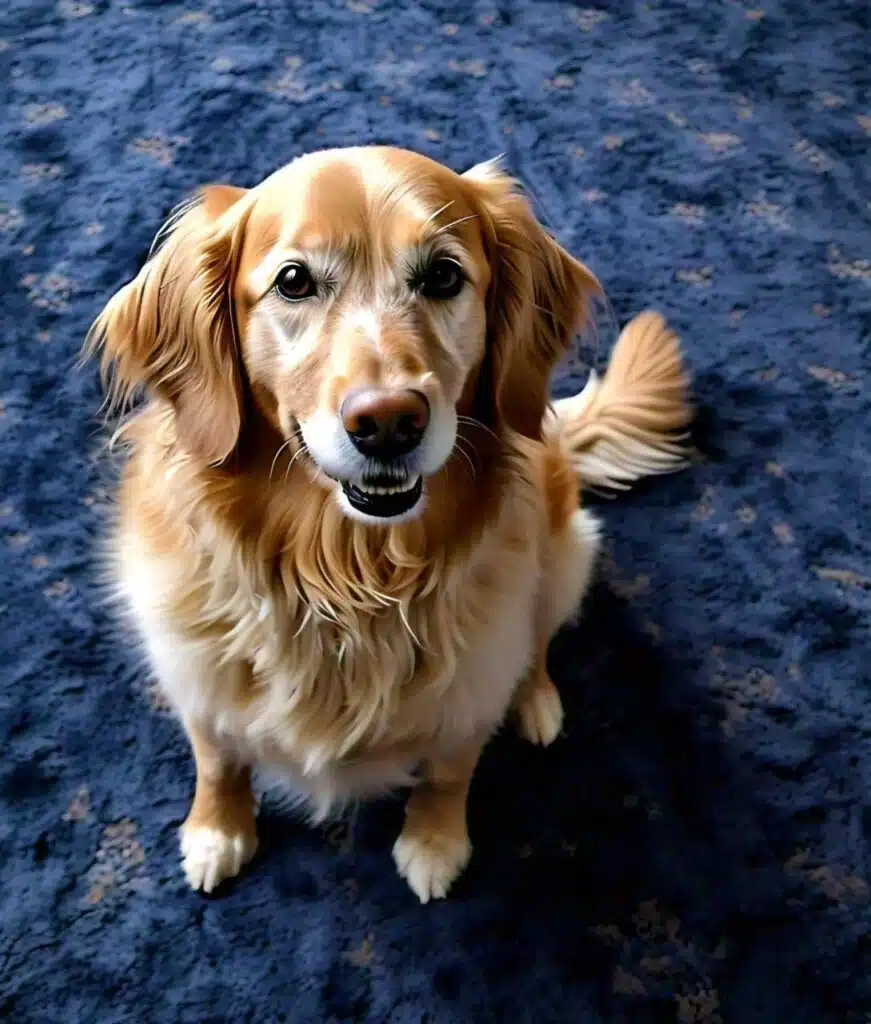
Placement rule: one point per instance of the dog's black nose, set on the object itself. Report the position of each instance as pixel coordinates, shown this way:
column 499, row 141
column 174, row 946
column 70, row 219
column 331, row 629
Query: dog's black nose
column 383, row 423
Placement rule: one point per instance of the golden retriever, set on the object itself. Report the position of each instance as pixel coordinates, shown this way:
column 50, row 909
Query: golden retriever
column 349, row 519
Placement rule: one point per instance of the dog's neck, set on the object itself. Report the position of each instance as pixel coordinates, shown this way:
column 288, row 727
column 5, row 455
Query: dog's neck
column 284, row 516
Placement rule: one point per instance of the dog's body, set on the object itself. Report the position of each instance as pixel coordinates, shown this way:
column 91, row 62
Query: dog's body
column 350, row 698
column 359, row 628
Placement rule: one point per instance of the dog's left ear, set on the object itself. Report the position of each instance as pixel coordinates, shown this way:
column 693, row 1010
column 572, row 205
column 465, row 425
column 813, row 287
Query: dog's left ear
column 538, row 300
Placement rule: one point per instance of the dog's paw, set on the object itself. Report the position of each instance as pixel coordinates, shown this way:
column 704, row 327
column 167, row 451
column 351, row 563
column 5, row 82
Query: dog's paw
column 540, row 712
column 209, row 856
column 431, row 863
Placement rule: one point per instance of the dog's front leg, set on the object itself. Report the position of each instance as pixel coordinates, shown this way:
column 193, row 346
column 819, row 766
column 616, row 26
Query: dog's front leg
column 434, row 848
column 220, row 834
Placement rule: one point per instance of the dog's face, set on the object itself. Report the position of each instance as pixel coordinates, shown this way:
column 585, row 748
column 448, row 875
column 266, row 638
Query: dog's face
column 366, row 318
column 364, row 301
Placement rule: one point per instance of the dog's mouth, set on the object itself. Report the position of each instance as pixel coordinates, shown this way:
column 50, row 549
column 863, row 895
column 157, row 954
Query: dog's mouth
column 387, row 493
column 383, row 498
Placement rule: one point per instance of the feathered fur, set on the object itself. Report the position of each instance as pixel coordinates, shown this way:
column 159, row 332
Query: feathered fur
column 350, row 656
column 632, row 422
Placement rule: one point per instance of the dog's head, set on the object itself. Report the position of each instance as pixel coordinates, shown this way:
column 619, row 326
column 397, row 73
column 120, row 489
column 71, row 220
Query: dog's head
column 363, row 302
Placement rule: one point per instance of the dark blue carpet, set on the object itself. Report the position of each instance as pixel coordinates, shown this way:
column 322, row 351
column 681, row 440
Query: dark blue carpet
column 696, row 849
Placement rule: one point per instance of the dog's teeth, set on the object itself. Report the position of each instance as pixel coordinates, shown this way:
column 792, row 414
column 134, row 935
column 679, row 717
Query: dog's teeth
column 399, row 489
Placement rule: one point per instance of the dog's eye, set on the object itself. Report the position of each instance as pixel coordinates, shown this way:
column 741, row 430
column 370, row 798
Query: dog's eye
column 294, row 282
column 442, row 279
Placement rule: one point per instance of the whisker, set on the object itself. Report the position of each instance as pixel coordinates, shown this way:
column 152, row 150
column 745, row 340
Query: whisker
column 454, row 223
column 469, row 421
column 319, row 473
column 296, row 455
column 460, row 440
column 459, row 450
column 459, row 453
column 440, row 210
column 280, row 450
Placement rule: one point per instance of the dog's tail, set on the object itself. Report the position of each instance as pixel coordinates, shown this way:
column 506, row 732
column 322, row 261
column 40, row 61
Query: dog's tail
column 632, row 422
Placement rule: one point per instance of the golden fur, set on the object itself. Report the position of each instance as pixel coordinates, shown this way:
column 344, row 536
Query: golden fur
column 351, row 656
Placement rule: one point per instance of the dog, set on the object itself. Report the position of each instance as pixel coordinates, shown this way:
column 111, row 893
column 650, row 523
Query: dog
column 349, row 518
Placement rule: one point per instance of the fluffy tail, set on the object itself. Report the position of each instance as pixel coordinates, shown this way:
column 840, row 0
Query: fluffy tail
column 632, row 422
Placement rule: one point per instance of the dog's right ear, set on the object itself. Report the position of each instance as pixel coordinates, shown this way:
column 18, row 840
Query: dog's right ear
column 172, row 329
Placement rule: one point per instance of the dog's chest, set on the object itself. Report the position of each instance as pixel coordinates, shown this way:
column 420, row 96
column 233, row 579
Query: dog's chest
column 405, row 682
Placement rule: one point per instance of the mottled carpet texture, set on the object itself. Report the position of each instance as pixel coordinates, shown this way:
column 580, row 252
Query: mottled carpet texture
column 696, row 847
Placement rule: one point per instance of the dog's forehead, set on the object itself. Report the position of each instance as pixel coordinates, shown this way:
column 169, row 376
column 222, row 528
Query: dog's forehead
column 358, row 195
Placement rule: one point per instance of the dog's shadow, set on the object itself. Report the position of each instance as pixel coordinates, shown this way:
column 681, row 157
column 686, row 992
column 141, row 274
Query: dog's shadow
column 626, row 861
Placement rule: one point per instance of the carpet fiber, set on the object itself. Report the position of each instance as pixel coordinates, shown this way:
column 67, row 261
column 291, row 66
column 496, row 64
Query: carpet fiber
column 696, row 847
